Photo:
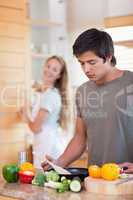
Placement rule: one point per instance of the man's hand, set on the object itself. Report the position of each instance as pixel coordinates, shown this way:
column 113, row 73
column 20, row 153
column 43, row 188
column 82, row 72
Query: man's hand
column 128, row 166
column 45, row 164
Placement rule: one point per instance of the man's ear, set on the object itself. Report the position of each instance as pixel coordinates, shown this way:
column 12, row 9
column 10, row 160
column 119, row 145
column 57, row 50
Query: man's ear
column 108, row 58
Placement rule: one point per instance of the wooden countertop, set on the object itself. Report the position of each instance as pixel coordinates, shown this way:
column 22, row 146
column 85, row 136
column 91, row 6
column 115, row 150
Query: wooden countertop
column 8, row 198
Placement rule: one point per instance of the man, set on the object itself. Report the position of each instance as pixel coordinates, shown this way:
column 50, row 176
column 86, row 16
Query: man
column 104, row 105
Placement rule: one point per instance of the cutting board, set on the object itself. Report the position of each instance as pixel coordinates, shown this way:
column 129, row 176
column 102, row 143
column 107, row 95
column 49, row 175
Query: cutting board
column 101, row 186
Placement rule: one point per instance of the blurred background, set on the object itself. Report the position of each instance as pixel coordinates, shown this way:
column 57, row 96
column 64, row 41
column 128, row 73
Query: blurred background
column 55, row 28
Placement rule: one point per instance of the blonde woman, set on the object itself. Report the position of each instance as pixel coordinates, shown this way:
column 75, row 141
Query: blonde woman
column 50, row 111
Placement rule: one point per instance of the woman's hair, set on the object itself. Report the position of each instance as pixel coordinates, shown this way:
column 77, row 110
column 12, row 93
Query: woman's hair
column 62, row 84
column 97, row 41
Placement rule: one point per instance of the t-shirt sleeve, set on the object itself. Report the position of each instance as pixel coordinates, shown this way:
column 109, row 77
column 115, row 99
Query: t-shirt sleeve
column 78, row 102
column 50, row 101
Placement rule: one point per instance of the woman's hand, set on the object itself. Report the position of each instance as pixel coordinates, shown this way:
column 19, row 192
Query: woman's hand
column 128, row 166
column 23, row 114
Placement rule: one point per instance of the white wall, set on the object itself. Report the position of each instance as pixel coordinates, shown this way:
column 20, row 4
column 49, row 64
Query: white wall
column 118, row 7
column 84, row 14
column 90, row 13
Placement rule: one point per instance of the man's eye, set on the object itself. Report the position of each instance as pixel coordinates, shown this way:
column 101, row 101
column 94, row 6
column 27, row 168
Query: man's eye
column 92, row 62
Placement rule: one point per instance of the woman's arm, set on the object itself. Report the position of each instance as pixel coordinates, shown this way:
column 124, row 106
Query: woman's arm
column 36, row 124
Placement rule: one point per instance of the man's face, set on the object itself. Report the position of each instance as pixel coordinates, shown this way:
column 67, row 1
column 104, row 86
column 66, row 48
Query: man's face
column 93, row 66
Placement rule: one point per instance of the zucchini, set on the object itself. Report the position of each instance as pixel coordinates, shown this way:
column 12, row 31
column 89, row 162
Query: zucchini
column 75, row 185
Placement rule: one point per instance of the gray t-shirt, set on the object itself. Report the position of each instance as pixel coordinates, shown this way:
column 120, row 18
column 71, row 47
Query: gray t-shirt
column 107, row 111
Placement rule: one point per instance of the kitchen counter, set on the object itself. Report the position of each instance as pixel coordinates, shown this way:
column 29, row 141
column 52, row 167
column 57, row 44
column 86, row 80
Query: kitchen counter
column 30, row 192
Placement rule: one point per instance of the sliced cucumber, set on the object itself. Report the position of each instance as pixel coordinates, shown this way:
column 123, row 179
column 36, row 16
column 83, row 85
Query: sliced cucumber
column 77, row 178
column 63, row 178
column 75, row 186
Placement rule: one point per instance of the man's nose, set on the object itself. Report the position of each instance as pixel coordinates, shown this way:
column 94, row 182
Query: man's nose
column 87, row 67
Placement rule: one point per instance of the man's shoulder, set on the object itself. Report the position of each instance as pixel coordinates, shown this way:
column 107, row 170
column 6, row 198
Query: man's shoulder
column 129, row 73
column 128, row 76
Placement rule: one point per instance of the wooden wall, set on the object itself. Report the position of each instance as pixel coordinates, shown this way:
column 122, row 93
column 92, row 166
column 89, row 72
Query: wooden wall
column 14, row 77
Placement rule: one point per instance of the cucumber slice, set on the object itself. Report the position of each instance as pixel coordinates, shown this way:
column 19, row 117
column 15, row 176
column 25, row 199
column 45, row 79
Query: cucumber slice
column 63, row 178
column 77, row 178
column 75, row 186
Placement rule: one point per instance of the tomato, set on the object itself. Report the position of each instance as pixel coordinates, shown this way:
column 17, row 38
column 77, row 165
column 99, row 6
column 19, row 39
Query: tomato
column 10, row 173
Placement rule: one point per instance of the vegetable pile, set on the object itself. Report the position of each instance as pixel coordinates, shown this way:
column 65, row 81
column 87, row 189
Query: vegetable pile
column 13, row 173
column 26, row 173
column 52, row 179
column 108, row 171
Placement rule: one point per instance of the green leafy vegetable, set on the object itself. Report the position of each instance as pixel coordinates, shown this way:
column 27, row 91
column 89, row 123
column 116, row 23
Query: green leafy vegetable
column 52, row 176
column 39, row 179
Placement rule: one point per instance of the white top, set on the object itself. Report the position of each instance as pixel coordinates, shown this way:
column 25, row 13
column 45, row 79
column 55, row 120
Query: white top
column 51, row 139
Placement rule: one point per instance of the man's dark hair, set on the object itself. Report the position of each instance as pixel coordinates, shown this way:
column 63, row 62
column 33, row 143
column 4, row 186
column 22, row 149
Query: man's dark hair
column 99, row 42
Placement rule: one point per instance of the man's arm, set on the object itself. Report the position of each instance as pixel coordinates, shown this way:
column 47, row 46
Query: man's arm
column 75, row 147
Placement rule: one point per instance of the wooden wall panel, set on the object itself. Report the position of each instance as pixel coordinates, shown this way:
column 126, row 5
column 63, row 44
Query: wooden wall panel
column 11, row 60
column 13, row 136
column 12, row 45
column 7, row 104
column 12, row 97
column 7, row 120
column 13, row 91
column 19, row 4
column 118, row 21
column 14, row 71
column 10, row 106
column 12, row 15
column 12, row 75
column 12, row 30
column 5, row 110
column 10, row 151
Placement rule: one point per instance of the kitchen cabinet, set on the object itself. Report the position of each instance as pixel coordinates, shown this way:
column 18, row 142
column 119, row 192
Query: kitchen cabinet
column 48, row 32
